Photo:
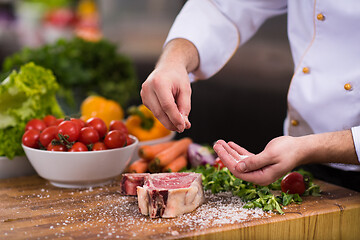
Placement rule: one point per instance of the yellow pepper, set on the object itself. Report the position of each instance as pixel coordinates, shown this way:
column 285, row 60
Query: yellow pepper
column 142, row 124
column 96, row 106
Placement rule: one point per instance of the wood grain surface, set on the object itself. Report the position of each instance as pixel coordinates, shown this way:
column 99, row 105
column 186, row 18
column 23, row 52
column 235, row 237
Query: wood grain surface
column 31, row 208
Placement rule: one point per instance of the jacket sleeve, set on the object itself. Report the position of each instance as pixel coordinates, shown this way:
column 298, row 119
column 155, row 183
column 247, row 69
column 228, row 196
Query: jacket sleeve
column 356, row 137
column 217, row 28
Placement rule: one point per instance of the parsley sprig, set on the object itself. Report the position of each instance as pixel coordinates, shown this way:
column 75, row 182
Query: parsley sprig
column 222, row 180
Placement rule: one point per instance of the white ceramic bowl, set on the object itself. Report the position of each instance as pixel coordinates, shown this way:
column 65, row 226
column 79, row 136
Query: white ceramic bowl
column 152, row 142
column 80, row 169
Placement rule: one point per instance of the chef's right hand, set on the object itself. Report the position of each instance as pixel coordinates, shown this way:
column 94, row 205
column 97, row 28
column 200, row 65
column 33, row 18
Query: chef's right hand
column 167, row 93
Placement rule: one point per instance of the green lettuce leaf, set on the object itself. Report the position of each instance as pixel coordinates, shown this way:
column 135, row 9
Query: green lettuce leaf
column 24, row 95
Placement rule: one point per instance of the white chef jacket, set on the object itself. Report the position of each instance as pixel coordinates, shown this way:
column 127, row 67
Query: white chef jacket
column 324, row 35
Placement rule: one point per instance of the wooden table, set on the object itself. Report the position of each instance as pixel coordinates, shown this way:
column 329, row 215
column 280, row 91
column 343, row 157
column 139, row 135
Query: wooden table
column 31, row 208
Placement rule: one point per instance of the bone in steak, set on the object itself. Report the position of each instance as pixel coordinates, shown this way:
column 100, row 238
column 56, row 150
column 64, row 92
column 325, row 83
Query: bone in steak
column 130, row 181
column 169, row 195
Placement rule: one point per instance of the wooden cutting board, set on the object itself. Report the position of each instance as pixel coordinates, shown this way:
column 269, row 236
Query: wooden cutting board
column 31, row 208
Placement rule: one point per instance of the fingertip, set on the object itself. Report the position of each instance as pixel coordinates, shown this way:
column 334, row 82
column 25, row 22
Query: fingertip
column 241, row 167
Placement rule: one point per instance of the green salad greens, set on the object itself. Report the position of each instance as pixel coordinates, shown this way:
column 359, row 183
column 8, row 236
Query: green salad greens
column 222, row 180
column 24, row 95
column 82, row 68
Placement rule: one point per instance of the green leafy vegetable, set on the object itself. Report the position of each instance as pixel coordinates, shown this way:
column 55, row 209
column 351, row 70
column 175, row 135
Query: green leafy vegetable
column 27, row 94
column 82, row 68
column 221, row 180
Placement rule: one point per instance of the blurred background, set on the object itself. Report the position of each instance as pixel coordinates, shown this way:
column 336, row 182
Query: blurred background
column 245, row 102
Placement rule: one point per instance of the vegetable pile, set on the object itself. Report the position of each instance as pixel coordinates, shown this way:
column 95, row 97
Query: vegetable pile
column 74, row 135
column 219, row 179
column 82, row 67
column 162, row 157
column 24, row 95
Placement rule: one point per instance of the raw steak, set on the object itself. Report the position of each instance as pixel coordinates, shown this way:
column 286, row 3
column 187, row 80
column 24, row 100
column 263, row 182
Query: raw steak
column 130, row 181
column 169, row 195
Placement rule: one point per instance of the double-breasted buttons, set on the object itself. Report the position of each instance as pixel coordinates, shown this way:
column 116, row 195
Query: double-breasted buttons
column 320, row 17
column 294, row 122
column 348, row 87
column 306, row 70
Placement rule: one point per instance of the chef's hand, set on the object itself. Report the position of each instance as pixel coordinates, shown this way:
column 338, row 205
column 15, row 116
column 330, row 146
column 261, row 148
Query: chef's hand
column 279, row 157
column 167, row 91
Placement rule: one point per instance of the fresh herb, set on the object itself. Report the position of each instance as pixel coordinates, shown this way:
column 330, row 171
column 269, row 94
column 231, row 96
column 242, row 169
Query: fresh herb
column 82, row 68
column 222, row 180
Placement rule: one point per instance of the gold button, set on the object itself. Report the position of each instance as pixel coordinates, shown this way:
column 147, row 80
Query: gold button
column 320, row 17
column 306, row 70
column 294, row 122
column 347, row 86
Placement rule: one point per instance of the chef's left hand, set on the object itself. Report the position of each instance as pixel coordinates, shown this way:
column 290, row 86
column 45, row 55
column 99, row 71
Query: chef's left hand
column 280, row 156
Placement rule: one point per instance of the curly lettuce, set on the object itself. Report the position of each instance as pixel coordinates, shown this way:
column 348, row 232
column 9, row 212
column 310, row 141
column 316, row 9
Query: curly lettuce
column 24, row 95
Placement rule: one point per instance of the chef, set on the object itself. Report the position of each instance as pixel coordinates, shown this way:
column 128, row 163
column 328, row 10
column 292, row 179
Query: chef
column 323, row 121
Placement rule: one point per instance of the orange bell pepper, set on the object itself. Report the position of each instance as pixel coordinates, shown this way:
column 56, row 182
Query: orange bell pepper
column 96, row 106
column 144, row 125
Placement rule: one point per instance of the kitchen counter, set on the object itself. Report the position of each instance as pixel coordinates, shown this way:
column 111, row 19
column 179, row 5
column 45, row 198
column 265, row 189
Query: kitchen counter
column 31, row 208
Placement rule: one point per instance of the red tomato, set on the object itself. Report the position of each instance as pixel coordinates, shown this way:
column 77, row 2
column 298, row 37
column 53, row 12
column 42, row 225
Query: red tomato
column 49, row 120
column 58, row 121
column 88, row 135
column 70, row 129
column 129, row 140
column 115, row 139
column 293, row 183
column 219, row 164
column 118, row 125
column 35, row 123
column 99, row 146
column 31, row 138
column 56, row 148
column 98, row 124
column 78, row 147
column 80, row 123
column 48, row 135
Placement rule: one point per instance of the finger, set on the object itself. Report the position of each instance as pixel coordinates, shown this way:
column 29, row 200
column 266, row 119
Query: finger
column 150, row 100
column 253, row 163
column 168, row 105
column 235, row 155
column 223, row 154
column 184, row 104
column 263, row 176
column 240, row 150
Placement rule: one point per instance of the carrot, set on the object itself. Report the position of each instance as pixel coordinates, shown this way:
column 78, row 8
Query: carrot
column 150, row 151
column 139, row 166
column 166, row 156
column 176, row 165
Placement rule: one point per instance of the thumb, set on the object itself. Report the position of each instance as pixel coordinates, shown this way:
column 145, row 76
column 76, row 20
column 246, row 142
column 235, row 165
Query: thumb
column 184, row 104
column 253, row 163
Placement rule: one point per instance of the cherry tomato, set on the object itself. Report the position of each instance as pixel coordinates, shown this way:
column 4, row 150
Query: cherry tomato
column 49, row 120
column 35, row 123
column 115, row 139
column 219, row 164
column 31, row 138
column 80, row 123
column 118, row 125
column 70, row 129
column 88, row 135
column 48, row 135
column 78, row 147
column 98, row 124
column 129, row 140
column 58, row 121
column 99, row 146
column 293, row 183
column 56, row 148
